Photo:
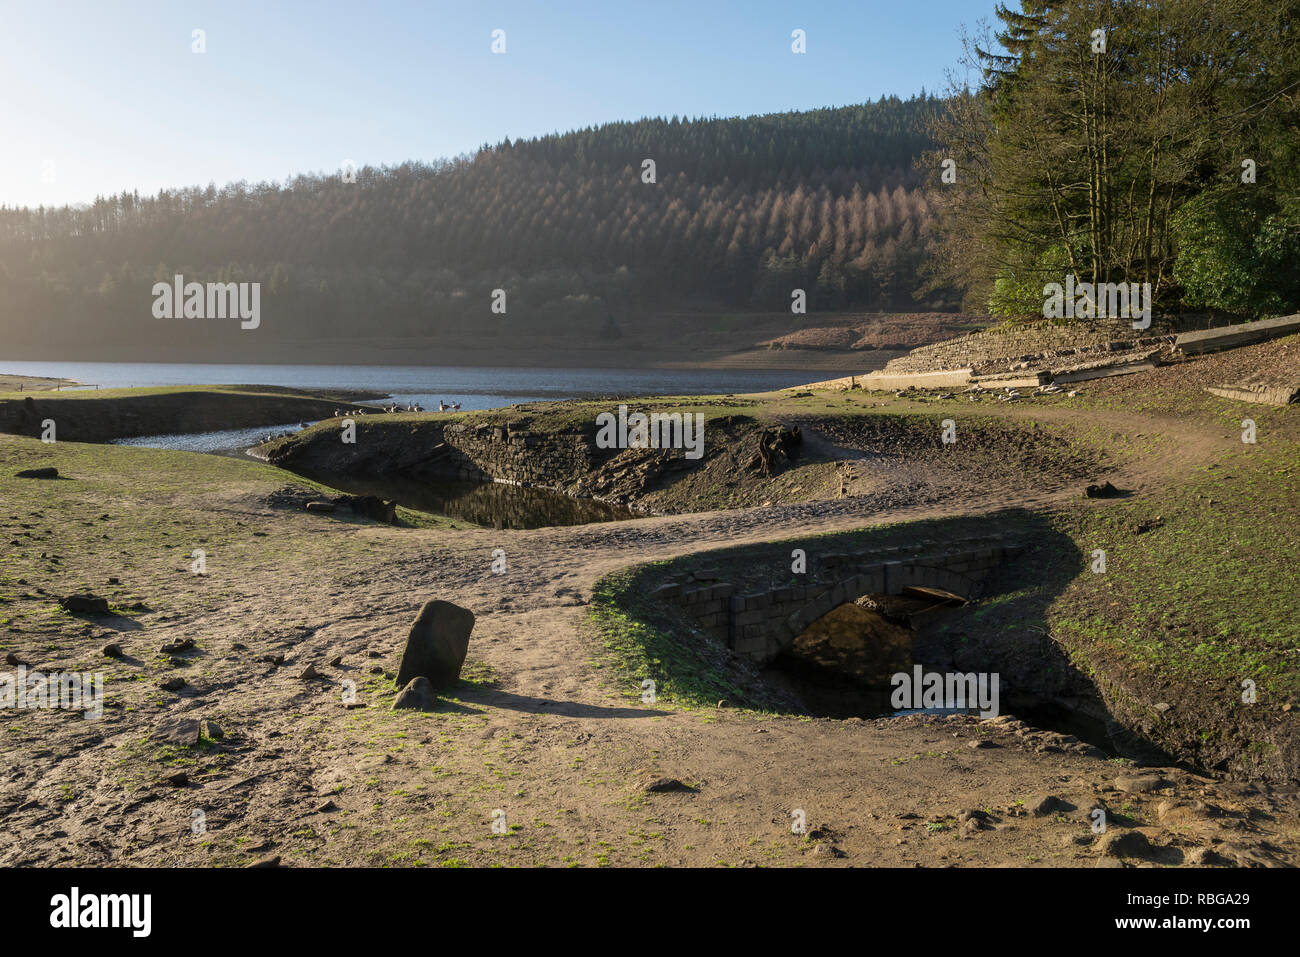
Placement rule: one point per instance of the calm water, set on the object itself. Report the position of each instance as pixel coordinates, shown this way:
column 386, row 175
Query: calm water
column 227, row 440
column 473, row 388
column 490, row 504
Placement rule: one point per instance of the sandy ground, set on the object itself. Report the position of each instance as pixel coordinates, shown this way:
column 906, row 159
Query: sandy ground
column 542, row 740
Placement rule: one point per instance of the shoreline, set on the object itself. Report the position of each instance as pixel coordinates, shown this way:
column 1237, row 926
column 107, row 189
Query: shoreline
column 630, row 358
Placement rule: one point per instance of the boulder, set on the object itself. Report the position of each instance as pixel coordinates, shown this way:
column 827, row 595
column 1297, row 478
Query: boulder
column 1047, row 804
column 1125, row 844
column 1104, row 490
column 436, row 646
column 1140, row 783
column 179, row 732
column 370, row 506
column 85, row 605
column 418, row 695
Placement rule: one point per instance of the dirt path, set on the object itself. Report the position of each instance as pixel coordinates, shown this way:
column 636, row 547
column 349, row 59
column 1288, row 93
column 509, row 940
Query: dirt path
column 546, row 740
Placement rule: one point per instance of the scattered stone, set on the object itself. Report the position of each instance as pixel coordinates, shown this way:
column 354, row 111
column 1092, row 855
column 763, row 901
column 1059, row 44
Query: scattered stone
column 174, row 647
column 667, row 785
column 1140, row 784
column 113, row 650
column 437, row 644
column 85, row 605
column 43, row 473
column 326, row 807
column 827, row 850
column 1105, row 490
column 980, row 743
column 1175, row 812
column 336, row 661
column 15, row 661
column 180, row 732
column 172, row 684
column 1205, row 857
column 724, row 703
column 309, row 673
column 1242, row 856
column 267, row 862
column 320, row 506
column 418, row 694
column 1125, row 844
column 213, row 731
column 1049, row 804
column 370, row 506
column 115, row 581
column 973, row 819
column 178, row 780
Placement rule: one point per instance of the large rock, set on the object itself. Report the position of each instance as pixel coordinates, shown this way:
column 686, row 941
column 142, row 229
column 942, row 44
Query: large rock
column 85, row 605
column 370, row 506
column 180, row 732
column 1125, row 844
column 436, row 646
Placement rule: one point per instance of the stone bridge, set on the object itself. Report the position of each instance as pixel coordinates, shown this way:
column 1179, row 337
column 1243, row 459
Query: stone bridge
column 761, row 622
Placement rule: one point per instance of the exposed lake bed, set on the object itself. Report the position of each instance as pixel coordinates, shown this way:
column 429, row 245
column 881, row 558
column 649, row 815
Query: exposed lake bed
column 561, row 648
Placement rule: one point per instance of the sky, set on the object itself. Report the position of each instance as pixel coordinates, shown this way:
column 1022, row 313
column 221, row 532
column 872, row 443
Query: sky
column 99, row 97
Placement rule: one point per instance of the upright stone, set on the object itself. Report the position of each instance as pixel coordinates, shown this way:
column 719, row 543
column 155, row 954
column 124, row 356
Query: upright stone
column 436, row 646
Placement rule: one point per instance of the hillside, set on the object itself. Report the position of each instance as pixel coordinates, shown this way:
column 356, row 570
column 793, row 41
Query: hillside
column 741, row 212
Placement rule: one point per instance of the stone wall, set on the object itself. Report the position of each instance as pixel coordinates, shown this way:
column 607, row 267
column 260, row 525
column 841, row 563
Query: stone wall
column 499, row 453
column 1005, row 346
column 761, row 623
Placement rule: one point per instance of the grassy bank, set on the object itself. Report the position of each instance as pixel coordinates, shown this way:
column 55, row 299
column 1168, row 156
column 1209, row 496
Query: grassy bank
column 106, row 414
column 1197, row 597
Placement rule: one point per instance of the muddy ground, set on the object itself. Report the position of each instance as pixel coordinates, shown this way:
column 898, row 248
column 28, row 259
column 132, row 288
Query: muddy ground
column 541, row 730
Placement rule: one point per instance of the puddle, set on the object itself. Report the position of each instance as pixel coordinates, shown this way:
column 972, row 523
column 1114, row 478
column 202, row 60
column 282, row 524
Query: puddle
column 490, row 504
column 840, row 666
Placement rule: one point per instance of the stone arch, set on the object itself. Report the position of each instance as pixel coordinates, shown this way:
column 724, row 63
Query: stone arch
column 897, row 577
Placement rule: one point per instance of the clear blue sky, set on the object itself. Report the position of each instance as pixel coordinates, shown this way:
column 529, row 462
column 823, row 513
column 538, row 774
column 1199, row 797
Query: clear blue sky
column 99, row 97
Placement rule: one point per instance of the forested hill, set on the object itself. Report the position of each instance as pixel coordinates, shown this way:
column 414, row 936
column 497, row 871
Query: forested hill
column 741, row 212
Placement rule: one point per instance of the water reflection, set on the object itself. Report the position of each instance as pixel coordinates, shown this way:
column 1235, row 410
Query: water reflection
column 491, row 504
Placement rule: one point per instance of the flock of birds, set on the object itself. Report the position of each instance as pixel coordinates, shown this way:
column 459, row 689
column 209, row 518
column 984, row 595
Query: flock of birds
column 388, row 409
column 393, row 409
